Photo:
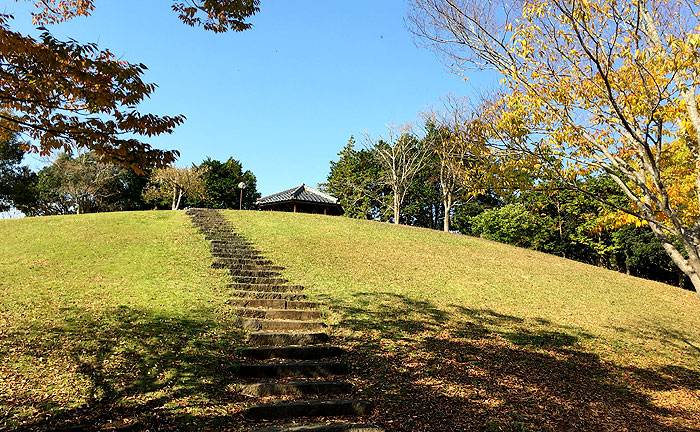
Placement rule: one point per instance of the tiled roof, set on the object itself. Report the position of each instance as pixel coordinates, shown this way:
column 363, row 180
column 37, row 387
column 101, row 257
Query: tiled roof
column 299, row 193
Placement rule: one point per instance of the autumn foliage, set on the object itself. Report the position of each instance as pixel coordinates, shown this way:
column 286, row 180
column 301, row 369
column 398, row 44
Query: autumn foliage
column 65, row 94
column 595, row 87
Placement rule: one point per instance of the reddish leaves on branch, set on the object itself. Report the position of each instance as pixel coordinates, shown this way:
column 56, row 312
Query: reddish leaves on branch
column 217, row 15
column 213, row 15
column 64, row 94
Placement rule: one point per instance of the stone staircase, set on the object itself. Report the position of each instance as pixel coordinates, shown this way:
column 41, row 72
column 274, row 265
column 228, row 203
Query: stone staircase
column 290, row 363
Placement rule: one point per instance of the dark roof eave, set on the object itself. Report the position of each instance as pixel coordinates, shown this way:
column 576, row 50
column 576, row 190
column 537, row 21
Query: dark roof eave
column 326, row 204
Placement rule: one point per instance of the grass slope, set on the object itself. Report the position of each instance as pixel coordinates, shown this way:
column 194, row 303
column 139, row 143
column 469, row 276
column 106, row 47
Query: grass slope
column 109, row 319
column 116, row 321
column 469, row 334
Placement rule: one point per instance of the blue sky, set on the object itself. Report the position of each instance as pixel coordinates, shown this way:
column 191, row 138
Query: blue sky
column 283, row 97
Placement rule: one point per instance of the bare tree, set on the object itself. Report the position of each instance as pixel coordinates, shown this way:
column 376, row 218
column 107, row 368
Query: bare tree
column 401, row 155
column 455, row 136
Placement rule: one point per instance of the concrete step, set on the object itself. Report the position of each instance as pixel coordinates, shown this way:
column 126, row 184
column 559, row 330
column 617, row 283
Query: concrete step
column 255, row 324
column 285, row 339
column 281, row 314
column 313, row 352
column 259, row 280
column 233, row 265
column 296, row 388
column 324, row 427
column 242, row 261
column 265, row 287
column 253, row 273
column 228, row 238
column 232, row 249
column 236, row 256
column 310, row 408
column 293, row 369
column 270, row 295
column 271, row 303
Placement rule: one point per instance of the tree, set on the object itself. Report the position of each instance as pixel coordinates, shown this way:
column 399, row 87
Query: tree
column 81, row 184
column 423, row 203
column 65, row 94
column 512, row 224
column 173, row 184
column 458, row 138
column 220, row 181
column 15, row 179
column 401, row 156
column 607, row 87
column 355, row 180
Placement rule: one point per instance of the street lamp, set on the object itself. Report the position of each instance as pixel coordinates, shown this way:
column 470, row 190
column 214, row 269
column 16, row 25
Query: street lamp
column 241, row 186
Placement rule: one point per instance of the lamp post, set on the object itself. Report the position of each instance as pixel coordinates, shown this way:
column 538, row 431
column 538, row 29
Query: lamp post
column 241, row 186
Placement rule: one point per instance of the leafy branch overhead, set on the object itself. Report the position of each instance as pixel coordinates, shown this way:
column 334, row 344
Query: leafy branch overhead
column 594, row 87
column 65, row 94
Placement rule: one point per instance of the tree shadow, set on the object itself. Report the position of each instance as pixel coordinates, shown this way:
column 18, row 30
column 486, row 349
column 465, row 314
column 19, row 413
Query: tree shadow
column 140, row 370
column 477, row 369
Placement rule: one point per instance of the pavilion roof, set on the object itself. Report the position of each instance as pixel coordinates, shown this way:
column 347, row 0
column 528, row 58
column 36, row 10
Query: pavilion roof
column 301, row 193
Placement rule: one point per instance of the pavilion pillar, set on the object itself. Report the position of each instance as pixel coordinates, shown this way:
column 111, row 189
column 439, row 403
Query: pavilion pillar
column 295, row 207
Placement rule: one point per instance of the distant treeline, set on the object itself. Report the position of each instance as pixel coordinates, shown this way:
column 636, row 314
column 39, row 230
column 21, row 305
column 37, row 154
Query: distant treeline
column 83, row 183
column 538, row 214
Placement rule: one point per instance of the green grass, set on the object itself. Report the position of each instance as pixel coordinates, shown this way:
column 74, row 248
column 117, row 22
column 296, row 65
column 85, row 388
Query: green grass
column 110, row 318
column 468, row 333
column 117, row 321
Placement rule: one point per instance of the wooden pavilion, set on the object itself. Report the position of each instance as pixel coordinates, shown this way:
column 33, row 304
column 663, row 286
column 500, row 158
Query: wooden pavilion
column 302, row 199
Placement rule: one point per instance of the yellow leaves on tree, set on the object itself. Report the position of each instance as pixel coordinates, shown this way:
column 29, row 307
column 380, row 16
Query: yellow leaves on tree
column 599, row 87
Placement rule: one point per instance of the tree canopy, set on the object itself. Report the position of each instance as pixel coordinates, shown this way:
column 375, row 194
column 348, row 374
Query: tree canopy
column 66, row 94
column 604, row 87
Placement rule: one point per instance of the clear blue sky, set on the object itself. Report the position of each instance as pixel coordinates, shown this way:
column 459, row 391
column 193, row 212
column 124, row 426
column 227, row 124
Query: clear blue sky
column 283, row 97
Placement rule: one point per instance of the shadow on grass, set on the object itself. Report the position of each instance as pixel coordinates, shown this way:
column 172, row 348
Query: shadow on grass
column 138, row 370
column 474, row 369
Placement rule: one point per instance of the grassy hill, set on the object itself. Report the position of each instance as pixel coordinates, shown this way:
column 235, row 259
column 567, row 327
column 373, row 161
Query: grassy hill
column 117, row 320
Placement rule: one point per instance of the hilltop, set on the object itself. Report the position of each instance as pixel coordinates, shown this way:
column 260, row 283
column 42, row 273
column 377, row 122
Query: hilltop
column 116, row 316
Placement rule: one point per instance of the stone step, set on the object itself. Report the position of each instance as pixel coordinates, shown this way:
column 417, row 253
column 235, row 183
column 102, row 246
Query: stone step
column 296, row 388
column 259, row 280
column 255, row 324
column 264, row 287
column 243, row 261
column 233, row 265
column 223, row 246
column 285, row 339
column 282, row 314
column 271, row 303
column 236, row 256
column 293, row 369
column 233, row 250
column 323, row 427
column 310, row 408
column 252, row 273
column 269, row 295
column 231, row 245
column 312, row 352
column 227, row 237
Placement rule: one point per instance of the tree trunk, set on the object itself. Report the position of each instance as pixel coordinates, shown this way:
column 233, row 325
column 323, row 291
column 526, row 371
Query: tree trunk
column 396, row 208
column 173, row 206
column 179, row 199
column 447, row 203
